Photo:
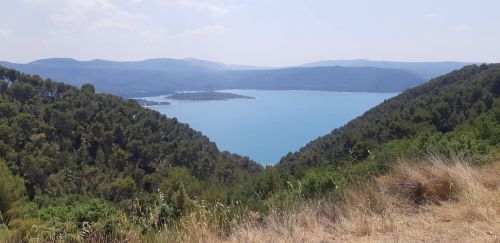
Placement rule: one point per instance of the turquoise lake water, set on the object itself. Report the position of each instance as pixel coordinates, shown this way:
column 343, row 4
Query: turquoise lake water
column 273, row 124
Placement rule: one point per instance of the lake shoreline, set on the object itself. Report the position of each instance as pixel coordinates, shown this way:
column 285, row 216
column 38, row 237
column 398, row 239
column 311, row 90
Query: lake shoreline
column 157, row 94
column 273, row 124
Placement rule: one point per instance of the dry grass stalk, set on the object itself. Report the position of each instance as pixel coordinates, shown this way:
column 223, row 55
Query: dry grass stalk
column 440, row 201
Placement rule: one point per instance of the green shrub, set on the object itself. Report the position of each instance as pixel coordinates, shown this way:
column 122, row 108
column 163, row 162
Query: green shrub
column 118, row 190
column 317, row 183
column 11, row 193
column 71, row 214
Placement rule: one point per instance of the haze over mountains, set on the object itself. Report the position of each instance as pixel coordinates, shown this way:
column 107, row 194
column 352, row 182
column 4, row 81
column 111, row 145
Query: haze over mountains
column 165, row 75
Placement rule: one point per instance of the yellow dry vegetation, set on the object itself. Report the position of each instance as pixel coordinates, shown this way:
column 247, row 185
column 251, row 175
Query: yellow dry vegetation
column 436, row 201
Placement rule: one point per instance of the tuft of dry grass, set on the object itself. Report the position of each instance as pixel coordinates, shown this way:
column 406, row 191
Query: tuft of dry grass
column 436, row 201
column 419, row 184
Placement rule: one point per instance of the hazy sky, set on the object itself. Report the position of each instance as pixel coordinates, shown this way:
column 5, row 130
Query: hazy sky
column 257, row 32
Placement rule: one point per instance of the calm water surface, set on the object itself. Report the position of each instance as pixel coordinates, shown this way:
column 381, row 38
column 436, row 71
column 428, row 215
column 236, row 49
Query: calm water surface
column 273, row 124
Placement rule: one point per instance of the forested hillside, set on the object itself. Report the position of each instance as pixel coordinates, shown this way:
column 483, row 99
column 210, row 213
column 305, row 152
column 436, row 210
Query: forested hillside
column 57, row 140
column 427, row 112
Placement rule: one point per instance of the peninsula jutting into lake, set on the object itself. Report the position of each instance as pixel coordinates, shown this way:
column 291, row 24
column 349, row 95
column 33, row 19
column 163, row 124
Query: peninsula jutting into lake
column 144, row 102
column 207, row 95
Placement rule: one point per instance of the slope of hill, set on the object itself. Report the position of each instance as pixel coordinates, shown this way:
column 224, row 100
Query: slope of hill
column 154, row 76
column 57, row 140
column 426, row 70
column 433, row 201
column 439, row 106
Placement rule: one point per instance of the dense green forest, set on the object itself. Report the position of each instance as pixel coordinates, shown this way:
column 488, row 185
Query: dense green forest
column 77, row 165
column 57, row 140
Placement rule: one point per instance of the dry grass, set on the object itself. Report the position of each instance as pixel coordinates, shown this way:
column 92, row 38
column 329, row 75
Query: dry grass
column 440, row 201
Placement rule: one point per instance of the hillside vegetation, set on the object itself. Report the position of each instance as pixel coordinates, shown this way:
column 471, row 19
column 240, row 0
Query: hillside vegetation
column 64, row 150
column 80, row 166
column 434, row 200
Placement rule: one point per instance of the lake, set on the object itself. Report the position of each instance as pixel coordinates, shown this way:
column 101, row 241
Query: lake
column 273, row 124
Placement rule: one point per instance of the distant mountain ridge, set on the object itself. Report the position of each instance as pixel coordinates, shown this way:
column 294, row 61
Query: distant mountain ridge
column 426, row 70
column 158, row 64
column 166, row 75
column 342, row 79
